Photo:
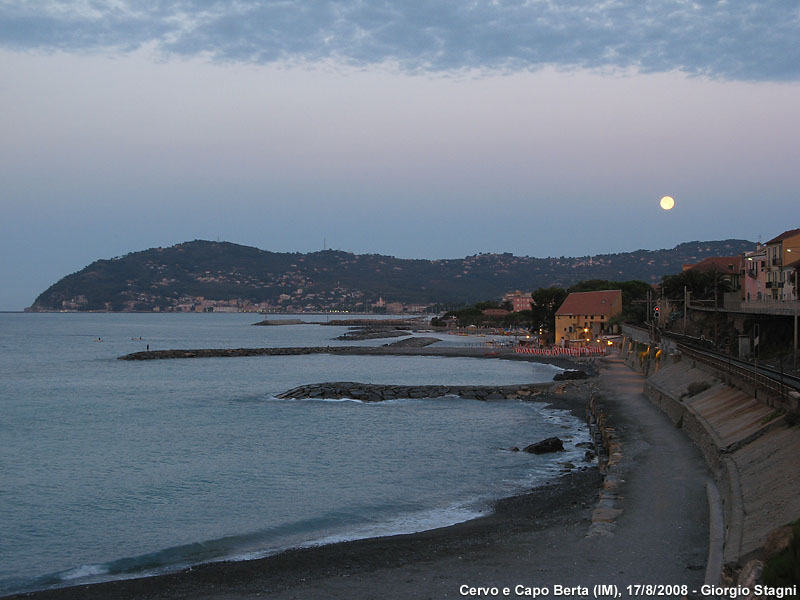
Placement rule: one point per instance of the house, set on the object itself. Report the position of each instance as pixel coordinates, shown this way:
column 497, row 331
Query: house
column 584, row 316
column 519, row 300
column 782, row 251
column 790, row 276
column 754, row 267
column 728, row 267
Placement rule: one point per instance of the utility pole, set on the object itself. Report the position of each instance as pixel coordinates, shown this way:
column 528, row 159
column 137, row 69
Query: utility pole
column 685, row 307
column 794, row 360
column 716, row 314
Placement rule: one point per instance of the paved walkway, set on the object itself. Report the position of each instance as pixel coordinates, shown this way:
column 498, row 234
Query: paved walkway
column 661, row 535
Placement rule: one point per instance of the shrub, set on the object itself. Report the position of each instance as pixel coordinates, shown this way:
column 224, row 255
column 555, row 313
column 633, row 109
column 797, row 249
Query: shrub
column 783, row 569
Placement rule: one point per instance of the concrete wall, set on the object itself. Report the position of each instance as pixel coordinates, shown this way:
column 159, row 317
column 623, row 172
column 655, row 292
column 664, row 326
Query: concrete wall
column 749, row 446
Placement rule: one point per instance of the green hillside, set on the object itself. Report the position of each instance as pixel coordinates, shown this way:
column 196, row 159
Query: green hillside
column 164, row 278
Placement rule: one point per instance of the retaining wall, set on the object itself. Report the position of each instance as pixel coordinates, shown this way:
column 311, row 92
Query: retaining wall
column 748, row 445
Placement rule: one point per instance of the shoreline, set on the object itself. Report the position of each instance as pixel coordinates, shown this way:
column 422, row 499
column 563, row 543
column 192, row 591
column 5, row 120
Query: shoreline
column 566, row 498
column 565, row 502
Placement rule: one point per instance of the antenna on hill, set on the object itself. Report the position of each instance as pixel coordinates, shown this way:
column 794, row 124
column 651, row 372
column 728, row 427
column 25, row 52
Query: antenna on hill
column 324, row 243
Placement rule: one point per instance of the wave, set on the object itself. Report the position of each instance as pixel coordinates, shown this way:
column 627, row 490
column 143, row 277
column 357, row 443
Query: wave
column 328, row 529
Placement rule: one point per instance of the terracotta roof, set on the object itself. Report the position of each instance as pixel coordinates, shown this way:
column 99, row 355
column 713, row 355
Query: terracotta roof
column 726, row 264
column 784, row 235
column 592, row 303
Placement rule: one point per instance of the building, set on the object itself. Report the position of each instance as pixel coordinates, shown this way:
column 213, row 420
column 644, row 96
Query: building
column 729, row 269
column 583, row 317
column 790, row 276
column 782, row 251
column 754, row 278
column 519, row 300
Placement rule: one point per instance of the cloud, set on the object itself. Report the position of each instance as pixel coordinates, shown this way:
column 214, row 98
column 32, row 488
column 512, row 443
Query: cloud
column 726, row 39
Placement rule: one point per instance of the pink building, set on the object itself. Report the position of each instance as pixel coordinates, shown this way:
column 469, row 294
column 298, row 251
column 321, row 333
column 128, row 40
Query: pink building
column 519, row 300
column 755, row 275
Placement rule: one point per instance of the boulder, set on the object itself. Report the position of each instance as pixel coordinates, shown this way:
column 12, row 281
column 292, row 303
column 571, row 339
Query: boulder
column 568, row 375
column 551, row 444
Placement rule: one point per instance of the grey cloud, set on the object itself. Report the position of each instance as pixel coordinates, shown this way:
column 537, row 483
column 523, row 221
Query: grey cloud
column 726, row 39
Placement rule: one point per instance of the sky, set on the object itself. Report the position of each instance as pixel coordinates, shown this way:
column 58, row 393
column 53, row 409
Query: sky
column 435, row 129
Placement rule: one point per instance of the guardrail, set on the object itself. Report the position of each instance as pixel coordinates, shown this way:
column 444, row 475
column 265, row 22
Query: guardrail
column 559, row 351
column 745, row 373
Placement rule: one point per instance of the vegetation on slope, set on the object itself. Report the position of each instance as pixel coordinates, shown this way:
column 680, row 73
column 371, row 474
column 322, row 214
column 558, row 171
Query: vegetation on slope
column 163, row 277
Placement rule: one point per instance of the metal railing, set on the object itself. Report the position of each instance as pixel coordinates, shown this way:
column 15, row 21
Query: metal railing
column 749, row 374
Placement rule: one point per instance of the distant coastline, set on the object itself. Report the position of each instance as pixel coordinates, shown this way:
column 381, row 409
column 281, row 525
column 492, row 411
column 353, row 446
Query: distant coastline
column 205, row 276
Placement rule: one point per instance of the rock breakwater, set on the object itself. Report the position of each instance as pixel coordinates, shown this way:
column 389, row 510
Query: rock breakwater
column 372, row 333
column 413, row 342
column 367, row 392
column 229, row 352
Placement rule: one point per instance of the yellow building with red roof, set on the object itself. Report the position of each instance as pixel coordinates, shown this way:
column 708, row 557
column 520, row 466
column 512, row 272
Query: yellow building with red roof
column 583, row 317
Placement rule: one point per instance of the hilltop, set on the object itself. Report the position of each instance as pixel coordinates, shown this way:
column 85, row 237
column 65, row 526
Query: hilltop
column 192, row 272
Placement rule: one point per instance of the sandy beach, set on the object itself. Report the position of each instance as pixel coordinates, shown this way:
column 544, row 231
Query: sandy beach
column 653, row 531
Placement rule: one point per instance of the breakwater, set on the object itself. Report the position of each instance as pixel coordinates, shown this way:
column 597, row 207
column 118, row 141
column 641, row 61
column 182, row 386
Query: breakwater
column 227, row 352
column 367, row 392
column 391, row 349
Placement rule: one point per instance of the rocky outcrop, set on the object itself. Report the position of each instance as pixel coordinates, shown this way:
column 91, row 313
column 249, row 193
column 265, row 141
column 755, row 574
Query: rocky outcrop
column 570, row 375
column 376, row 393
column 551, row 444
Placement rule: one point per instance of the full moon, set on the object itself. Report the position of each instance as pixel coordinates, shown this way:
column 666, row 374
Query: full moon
column 667, row 202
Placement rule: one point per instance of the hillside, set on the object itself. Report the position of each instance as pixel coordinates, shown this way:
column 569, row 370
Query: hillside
column 189, row 274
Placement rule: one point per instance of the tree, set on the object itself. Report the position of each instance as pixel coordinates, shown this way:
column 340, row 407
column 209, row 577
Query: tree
column 545, row 304
column 703, row 285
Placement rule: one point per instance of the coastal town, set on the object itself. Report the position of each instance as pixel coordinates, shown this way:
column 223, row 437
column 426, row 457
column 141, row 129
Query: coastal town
column 714, row 418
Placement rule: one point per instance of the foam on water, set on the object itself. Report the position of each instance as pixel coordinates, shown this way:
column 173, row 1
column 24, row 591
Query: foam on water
column 84, row 571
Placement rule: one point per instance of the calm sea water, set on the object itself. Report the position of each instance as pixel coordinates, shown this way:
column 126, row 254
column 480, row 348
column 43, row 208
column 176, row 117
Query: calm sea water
column 117, row 469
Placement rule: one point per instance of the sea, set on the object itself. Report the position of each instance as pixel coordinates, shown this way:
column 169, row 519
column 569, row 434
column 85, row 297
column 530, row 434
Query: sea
column 115, row 469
